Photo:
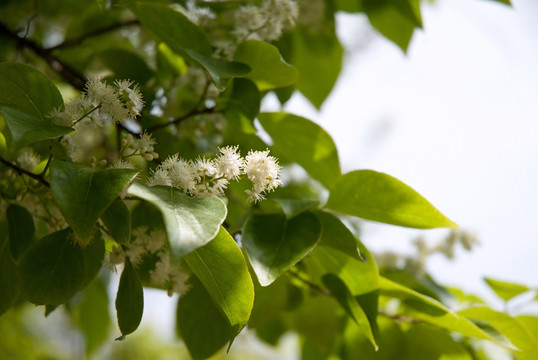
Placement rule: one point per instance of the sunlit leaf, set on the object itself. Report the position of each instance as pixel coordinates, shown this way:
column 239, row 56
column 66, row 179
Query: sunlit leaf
column 269, row 70
column 380, row 197
column 304, row 142
column 222, row 269
column 336, row 235
column 506, row 290
column 190, row 222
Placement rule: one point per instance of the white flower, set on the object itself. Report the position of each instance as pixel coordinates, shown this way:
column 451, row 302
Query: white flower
column 230, row 163
column 159, row 177
column 264, row 172
column 181, row 173
column 134, row 101
column 122, row 164
column 204, row 167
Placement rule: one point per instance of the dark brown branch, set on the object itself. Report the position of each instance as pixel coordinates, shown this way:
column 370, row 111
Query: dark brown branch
column 80, row 39
column 178, row 120
column 21, row 171
column 72, row 76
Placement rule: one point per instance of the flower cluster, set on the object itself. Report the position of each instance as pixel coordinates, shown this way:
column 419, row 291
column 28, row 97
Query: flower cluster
column 207, row 177
column 151, row 243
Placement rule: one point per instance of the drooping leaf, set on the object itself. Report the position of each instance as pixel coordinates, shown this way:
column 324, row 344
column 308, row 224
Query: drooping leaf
column 336, row 235
column 318, row 57
column 26, row 98
column 431, row 311
column 293, row 207
column 83, row 193
column 380, row 197
column 304, row 142
column 390, row 339
column 52, row 270
column 93, row 254
column 506, row 290
column 342, row 294
column 21, row 229
column 92, row 315
column 425, row 342
column 190, row 222
column 274, row 244
column 129, row 300
column 222, row 269
column 117, row 220
column 269, row 70
column 200, row 323
column 505, row 2
column 9, row 276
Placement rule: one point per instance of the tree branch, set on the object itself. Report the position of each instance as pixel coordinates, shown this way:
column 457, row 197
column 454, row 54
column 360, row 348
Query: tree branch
column 178, row 120
column 21, row 171
column 72, row 76
column 80, row 39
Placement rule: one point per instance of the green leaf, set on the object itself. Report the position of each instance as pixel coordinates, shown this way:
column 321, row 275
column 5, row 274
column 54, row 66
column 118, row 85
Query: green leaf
column 506, row 290
column 172, row 27
column 274, row 244
column 304, row 142
column 93, row 255
column 222, row 269
column 243, row 105
column 126, row 65
column 26, row 98
column 84, row 193
column 336, row 235
column 318, row 57
column 513, row 328
column 92, row 316
column 431, row 311
column 395, row 19
column 117, row 220
column 344, row 297
column 293, row 207
column 201, row 324
column 269, row 70
column 424, row 342
column 52, row 270
column 190, row 222
column 219, row 70
column 21, row 229
column 9, row 275
column 380, row 197
column 129, row 300
column 390, row 339
column 505, row 2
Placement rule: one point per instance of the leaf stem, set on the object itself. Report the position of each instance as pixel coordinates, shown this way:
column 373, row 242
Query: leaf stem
column 310, row 284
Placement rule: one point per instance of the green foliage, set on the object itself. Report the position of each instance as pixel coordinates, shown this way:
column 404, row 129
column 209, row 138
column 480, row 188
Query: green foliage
column 165, row 180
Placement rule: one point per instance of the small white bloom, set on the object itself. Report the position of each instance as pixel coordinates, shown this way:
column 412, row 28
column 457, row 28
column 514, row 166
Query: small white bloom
column 230, row 163
column 204, row 167
column 122, row 164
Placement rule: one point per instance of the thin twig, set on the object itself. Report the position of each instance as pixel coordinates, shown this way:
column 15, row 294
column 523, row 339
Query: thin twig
column 178, row 120
column 80, row 39
column 72, row 76
column 21, row 171
column 399, row 317
column 42, row 173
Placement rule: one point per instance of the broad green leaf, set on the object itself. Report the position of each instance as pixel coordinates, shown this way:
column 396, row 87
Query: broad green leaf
column 390, row 339
column 506, row 290
column 431, row 311
column 513, row 328
column 126, row 65
column 318, row 57
column 21, row 229
column 269, row 70
column 93, row 254
column 219, row 70
column 26, row 98
column 200, row 323
column 92, row 316
column 304, row 142
column 190, row 222
column 274, row 244
column 9, row 276
column 117, row 220
column 395, row 19
column 129, row 300
column 293, row 207
column 424, row 342
column 172, row 27
column 52, row 270
column 222, row 269
column 336, row 235
column 344, row 297
column 380, row 197
column 83, row 193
